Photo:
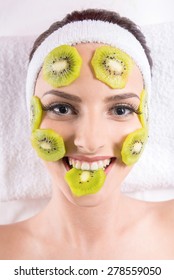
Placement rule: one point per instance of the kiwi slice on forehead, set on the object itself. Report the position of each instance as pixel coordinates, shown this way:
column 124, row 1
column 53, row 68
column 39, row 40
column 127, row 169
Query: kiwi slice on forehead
column 62, row 66
column 112, row 66
column 48, row 144
column 133, row 146
column 85, row 182
column 35, row 113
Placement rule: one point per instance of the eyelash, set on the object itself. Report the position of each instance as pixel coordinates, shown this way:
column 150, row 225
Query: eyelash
column 51, row 107
column 130, row 107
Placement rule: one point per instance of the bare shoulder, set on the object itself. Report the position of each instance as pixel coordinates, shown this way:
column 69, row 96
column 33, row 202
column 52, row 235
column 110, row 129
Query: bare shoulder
column 165, row 225
column 165, row 213
column 13, row 240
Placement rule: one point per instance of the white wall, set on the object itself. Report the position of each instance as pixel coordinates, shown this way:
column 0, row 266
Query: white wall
column 30, row 17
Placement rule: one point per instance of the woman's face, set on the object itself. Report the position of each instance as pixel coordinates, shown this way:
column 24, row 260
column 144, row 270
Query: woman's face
column 93, row 120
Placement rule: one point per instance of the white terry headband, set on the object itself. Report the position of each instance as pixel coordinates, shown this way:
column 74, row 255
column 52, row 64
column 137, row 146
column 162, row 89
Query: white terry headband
column 95, row 31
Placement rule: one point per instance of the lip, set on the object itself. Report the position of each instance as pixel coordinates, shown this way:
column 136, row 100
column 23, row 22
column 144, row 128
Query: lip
column 113, row 160
column 107, row 169
column 89, row 159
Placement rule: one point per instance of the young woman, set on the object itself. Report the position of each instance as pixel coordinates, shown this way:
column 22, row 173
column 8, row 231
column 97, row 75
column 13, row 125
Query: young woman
column 88, row 78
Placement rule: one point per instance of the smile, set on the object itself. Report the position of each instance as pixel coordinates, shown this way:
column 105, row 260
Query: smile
column 90, row 164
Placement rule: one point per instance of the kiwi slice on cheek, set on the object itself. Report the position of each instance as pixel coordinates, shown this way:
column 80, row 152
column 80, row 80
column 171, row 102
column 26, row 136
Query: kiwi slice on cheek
column 48, row 144
column 112, row 66
column 35, row 113
column 62, row 66
column 85, row 182
column 133, row 146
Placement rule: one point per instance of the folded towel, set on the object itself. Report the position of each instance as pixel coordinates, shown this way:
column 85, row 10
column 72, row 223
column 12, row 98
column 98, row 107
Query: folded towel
column 22, row 174
column 155, row 169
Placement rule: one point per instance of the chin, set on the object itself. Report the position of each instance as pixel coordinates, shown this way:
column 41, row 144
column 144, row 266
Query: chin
column 110, row 189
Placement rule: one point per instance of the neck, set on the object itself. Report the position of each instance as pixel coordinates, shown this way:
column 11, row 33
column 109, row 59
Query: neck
column 81, row 220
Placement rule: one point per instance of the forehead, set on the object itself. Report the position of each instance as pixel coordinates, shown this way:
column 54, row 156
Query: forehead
column 87, row 76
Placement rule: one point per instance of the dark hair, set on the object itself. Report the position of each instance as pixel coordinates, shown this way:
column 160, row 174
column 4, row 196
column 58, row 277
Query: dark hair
column 95, row 14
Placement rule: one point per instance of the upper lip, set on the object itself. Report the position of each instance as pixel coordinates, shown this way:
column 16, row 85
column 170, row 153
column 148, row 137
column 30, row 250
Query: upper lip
column 89, row 159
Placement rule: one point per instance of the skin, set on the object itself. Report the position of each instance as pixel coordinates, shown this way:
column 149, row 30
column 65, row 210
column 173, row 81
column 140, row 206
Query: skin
column 107, row 225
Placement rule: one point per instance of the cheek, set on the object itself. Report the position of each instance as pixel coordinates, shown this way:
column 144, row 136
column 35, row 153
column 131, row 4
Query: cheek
column 61, row 128
column 123, row 129
column 65, row 129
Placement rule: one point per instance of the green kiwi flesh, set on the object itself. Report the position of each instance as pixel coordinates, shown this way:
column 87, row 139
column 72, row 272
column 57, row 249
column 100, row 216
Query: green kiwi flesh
column 133, row 146
column 85, row 182
column 143, row 108
column 62, row 66
column 112, row 66
column 48, row 144
column 35, row 113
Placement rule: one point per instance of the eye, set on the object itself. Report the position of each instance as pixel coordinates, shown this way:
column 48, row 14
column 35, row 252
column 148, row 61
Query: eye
column 60, row 109
column 122, row 110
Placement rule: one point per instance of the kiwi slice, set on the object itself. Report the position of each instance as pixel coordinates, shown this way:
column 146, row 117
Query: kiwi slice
column 143, row 108
column 85, row 182
column 133, row 146
column 112, row 66
column 35, row 113
column 62, row 66
column 48, row 144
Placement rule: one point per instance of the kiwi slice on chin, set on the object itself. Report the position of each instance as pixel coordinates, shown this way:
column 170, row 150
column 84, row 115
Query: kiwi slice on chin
column 133, row 146
column 112, row 66
column 85, row 182
column 35, row 113
column 143, row 108
column 62, row 66
column 48, row 144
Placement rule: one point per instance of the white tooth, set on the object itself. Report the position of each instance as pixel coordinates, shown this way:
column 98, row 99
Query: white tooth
column 70, row 161
column 85, row 166
column 77, row 164
column 106, row 162
column 73, row 162
column 94, row 166
column 100, row 164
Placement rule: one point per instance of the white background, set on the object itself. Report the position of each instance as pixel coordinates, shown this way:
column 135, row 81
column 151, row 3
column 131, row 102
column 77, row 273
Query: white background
column 31, row 17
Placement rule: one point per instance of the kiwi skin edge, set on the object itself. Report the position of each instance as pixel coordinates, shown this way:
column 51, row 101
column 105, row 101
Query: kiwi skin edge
column 111, row 66
column 48, row 144
column 35, row 113
column 128, row 152
column 62, row 66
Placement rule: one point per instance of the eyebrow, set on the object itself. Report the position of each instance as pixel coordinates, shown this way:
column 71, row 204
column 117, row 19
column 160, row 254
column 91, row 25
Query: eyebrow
column 77, row 99
column 64, row 95
column 121, row 97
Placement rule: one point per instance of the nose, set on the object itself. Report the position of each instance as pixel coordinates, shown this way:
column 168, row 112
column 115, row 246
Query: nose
column 90, row 136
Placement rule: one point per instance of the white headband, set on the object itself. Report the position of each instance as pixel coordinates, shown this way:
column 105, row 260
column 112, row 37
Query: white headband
column 95, row 31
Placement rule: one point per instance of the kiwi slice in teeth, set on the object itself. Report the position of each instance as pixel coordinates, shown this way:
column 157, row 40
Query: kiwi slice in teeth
column 143, row 108
column 62, row 66
column 112, row 66
column 133, row 146
column 85, row 182
column 35, row 113
column 48, row 144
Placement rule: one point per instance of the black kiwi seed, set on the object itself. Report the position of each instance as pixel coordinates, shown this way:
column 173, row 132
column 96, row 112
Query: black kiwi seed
column 115, row 77
column 62, row 76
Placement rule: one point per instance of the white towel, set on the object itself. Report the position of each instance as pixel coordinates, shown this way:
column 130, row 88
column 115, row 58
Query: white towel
column 22, row 175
